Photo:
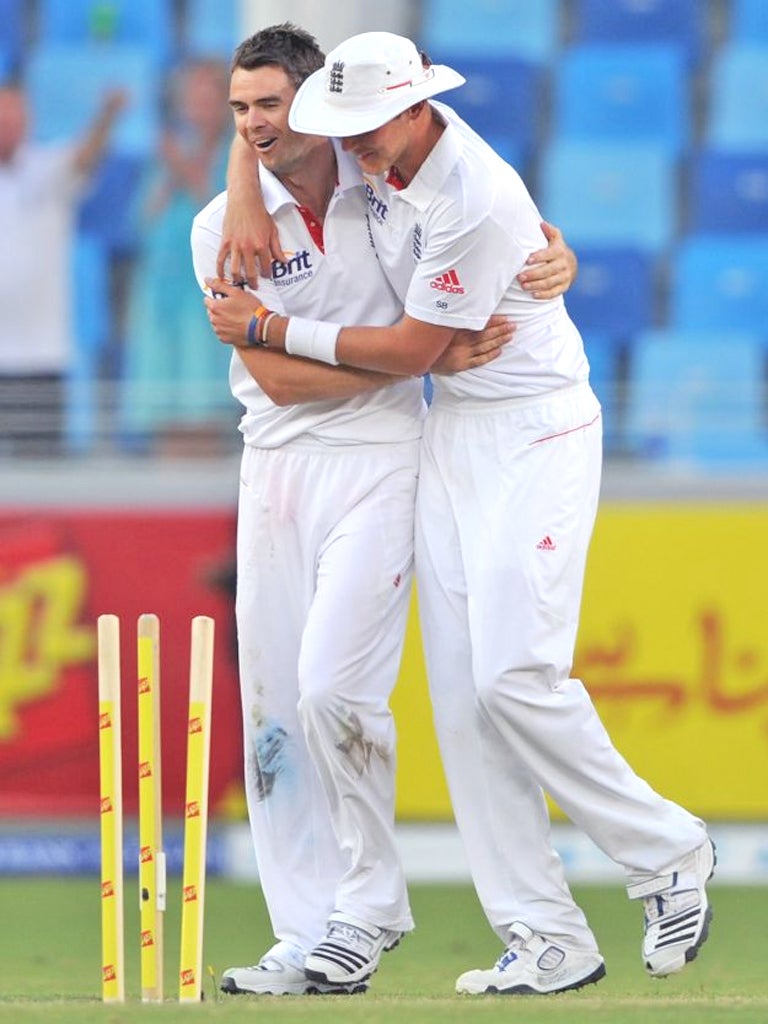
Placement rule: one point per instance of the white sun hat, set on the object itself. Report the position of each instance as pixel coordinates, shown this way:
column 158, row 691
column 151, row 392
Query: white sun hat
column 366, row 81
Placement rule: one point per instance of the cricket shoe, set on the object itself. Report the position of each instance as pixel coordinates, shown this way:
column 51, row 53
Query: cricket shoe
column 280, row 972
column 350, row 951
column 534, row 965
column 676, row 912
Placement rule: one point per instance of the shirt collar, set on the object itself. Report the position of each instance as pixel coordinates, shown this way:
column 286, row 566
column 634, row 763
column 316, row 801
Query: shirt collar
column 273, row 191
column 432, row 174
column 347, row 170
column 276, row 195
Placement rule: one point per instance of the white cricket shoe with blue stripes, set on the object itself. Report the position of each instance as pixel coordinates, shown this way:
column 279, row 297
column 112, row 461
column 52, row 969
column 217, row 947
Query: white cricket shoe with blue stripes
column 350, row 951
column 534, row 965
column 280, row 972
column 677, row 911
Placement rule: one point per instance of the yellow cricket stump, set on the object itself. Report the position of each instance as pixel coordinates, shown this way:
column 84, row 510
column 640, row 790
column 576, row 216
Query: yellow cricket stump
column 196, row 809
column 111, row 807
column 152, row 884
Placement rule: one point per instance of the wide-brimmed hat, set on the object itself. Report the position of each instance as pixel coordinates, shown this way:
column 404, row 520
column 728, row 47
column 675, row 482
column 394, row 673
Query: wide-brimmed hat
column 366, row 81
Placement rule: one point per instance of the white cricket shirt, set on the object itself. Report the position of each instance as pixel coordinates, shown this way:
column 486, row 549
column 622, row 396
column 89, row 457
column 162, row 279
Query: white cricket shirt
column 452, row 244
column 39, row 189
column 341, row 282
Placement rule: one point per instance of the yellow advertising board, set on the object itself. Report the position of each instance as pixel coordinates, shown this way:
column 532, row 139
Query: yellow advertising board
column 673, row 647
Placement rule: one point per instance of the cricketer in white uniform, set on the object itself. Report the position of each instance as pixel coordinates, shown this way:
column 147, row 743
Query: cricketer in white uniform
column 324, row 552
column 508, row 491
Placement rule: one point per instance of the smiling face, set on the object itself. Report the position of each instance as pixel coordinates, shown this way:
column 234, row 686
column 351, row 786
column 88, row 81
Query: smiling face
column 260, row 100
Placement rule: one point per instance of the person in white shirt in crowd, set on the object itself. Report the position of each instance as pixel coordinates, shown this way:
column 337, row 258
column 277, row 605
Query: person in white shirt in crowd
column 507, row 497
column 41, row 186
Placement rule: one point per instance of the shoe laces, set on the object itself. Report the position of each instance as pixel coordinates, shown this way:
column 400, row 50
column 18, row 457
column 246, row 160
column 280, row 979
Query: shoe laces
column 347, row 932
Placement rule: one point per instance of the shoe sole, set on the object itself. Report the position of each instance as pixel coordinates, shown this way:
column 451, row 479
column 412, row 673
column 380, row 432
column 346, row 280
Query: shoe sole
column 527, row 990
column 349, row 989
column 322, row 976
column 693, row 951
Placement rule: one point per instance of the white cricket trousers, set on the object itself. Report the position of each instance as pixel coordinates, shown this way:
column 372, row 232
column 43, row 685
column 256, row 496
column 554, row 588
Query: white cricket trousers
column 507, row 499
column 325, row 562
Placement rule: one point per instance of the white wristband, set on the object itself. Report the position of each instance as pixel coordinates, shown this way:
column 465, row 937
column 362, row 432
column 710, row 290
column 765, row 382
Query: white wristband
column 313, row 339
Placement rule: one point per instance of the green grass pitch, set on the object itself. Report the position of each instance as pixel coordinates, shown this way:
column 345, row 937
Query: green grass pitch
column 50, row 953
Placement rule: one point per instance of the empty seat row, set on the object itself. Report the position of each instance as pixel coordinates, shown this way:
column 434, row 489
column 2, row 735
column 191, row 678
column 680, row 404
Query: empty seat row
column 711, row 283
column 614, row 93
column 162, row 29
column 695, row 396
column 635, row 194
column 537, row 30
column 628, row 93
column 695, row 388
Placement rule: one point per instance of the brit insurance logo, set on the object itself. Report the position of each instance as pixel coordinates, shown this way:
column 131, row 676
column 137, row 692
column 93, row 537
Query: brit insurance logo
column 376, row 205
column 298, row 267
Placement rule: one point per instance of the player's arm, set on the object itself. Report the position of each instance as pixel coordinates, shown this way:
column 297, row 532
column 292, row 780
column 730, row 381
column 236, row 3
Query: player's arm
column 249, row 239
column 290, row 381
column 411, row 346
column 408, row 348
column 285, row 380
column 550, row 272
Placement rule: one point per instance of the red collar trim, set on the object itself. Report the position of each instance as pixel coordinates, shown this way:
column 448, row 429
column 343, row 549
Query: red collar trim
column 314, row 226
column 394, row 179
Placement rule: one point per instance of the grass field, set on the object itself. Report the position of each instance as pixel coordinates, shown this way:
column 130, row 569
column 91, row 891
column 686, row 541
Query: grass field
column 50, row 955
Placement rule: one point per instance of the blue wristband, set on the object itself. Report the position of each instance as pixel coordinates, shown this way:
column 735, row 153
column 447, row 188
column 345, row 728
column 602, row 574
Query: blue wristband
column 253, row 326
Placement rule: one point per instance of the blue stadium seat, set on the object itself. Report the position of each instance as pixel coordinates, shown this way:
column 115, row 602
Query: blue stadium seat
column 145, row 23
column 616, row 93
column 606, row 354
column 720, row 283
column 512, row 28
column 213, row 29
column 604, row 194
column 7, row 65
column 738, row 99
column 748, row 22
column 614, row 291
column 728, row 192
column 67, row 82
column 679, row 22
column 698, row 397
column 12, row 35
column 484, row 102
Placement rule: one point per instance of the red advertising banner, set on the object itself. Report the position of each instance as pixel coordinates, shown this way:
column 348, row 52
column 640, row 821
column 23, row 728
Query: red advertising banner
column 60, row 570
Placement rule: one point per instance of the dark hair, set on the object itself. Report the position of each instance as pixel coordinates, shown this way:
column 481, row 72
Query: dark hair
column 287, row 46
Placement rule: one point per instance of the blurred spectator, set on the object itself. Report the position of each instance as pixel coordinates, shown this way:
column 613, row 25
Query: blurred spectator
column 40, row 189
column 175, row 395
